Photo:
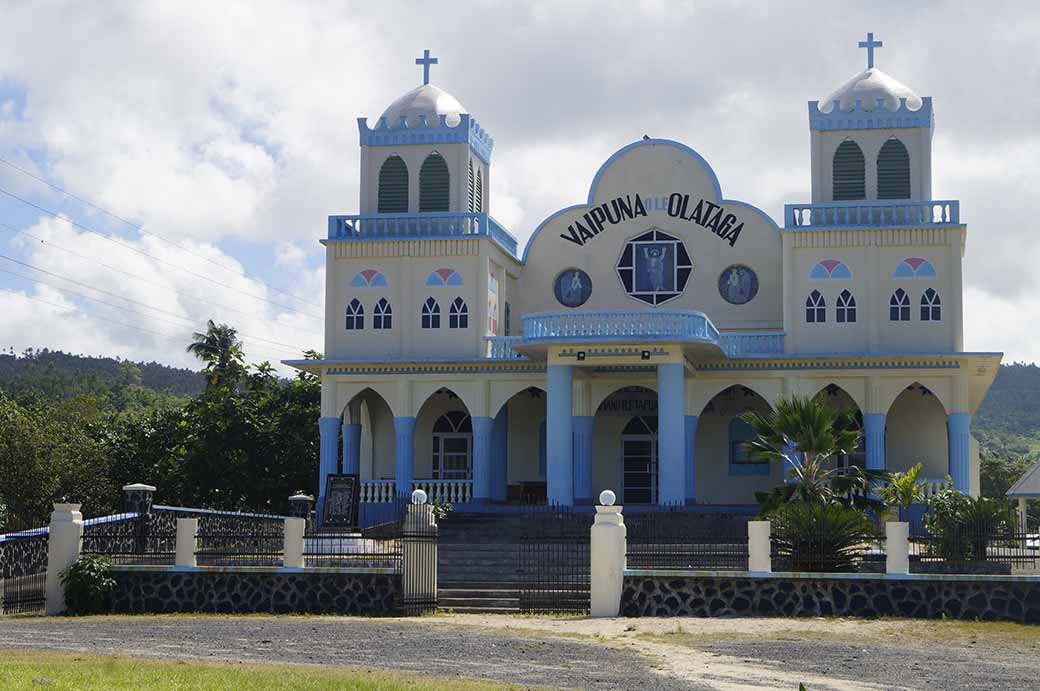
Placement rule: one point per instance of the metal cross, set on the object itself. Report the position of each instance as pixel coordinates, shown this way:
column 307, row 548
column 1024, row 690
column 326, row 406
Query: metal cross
column 870, row 44
column 426, row 61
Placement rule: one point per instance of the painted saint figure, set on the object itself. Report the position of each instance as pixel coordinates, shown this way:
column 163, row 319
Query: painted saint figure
column 737, row 292
column 655, row 257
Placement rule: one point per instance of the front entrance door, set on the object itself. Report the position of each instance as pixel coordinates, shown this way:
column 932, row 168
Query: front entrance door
column 639, row 461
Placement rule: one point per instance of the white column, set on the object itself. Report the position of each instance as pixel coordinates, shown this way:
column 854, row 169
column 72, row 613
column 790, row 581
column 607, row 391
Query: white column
column 897, row 547
column 187, row 541
column 63, row 546
column 1022, row 522
column 608, row 544
column 293, row 550
column 759, row 559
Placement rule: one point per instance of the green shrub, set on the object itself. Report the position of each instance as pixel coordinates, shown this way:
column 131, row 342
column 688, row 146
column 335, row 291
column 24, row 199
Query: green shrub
column 964, row 526
column 88, row 585
column 820, row 537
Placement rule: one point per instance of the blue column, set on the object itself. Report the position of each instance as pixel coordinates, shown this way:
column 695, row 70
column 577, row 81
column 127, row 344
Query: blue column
column 958, row 426
column 482, row 458
column 874, row 438
column 500, row 455
column 582, row 458
column 671, row 435
column 559, row 440
column 351, row 449
column 404, row 454
column 691, row 458
column 328, row 454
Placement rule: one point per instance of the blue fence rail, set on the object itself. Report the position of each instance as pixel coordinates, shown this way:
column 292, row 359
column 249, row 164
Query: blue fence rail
column 419, row 227
column 679, row 325
column 866, row 214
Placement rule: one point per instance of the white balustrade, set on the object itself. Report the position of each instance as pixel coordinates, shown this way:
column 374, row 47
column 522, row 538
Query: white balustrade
column 880, row 213
column 682, row 325
column 735, row 344
column 501, row 347
column 933, row 486
column 404, row 226
column 446, row 491
column 378, row 491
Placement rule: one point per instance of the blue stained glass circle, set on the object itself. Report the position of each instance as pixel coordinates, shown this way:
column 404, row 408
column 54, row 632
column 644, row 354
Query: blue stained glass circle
column 572, row 287
column 738, row 284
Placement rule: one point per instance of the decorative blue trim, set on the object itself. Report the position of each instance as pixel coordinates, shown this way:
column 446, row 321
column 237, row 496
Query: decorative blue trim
column 452, row 225
column 468, row 131
column 939, row 213
column 859, row 118
column 623, row 150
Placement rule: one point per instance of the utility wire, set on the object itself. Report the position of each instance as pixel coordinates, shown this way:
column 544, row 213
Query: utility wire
column 109, row 238
column 131, row 275
column 141, row 229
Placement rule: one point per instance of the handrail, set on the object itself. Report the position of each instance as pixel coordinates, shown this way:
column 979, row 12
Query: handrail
column 872, row 214
column 420, row 226
column 682, row 325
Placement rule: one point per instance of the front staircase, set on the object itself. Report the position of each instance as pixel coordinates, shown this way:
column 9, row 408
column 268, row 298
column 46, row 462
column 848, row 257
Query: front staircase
column 476, row 562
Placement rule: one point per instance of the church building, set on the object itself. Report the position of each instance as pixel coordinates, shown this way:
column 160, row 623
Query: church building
column 617, row 349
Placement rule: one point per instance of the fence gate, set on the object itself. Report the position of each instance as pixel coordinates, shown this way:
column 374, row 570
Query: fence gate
column 419, row 560
column 23, row 572
column 553, row 562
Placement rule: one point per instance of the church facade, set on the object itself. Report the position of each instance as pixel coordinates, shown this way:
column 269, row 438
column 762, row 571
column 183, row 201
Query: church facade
column 618, row 348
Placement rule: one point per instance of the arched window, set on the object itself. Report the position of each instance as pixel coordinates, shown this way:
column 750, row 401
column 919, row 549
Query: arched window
column 899, row 306
column 480, row 191
column 453, row 447
column 458, row 314
column 740, row 460
column 931, row 306
column 431, row 314
column 893, row 171
column 433, row 184
column 382, row 315
column 849, row 175
column 815, row 308
column 845, row 313
column 472, row 187
column 355, row 316
column 393, row 187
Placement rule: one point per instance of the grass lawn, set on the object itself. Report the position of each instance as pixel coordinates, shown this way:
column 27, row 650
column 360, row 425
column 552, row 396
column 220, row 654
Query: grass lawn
column 33, row 670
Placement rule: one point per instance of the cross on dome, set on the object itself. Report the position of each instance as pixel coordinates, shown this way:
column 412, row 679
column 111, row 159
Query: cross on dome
column 870, row 44
column 426, row 61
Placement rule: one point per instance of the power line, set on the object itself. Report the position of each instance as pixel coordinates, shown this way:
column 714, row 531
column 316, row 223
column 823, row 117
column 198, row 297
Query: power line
column 133, row 275
column 289, row 348
column 55, row 215
column 139, row 228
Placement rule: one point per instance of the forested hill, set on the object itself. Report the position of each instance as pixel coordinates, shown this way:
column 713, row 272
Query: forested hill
column 58, row 375
column 1009, row 420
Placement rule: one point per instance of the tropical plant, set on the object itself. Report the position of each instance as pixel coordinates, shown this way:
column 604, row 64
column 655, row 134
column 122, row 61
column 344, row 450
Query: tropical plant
column 88, row 585
column 903, row 490
column 962, row 526
column 820, row 537
column 221, row 350
column 804, row 433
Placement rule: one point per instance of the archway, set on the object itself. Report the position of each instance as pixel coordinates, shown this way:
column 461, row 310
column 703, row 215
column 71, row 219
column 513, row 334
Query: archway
column 724, row 471
column 443, row 438
column 368, row 442
column 915, row 432
column 624, row 446
column 838, row 398
column 518, row 451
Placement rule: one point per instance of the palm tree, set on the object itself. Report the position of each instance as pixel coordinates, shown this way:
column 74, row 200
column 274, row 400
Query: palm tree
column 804, row 433
column 221, row 350
column 904, row 490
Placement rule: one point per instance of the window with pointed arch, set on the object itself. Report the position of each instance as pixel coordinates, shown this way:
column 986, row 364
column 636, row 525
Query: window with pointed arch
column 815, row 308
column 382, row 315
column 845, row 310
column 458, row 314
column 431, row 314
column 453, row 447
column 355, row 315
column 899, row 306
column 931, row 306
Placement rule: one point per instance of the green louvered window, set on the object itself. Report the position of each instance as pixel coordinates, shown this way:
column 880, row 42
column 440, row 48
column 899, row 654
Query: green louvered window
column 849, row 172
column 393, row 186
column 480, row 191
column 472, row 190
column 893, row 171
column 433, row 185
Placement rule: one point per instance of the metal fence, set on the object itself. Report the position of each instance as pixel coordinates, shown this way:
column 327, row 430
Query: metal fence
column 23, row 568
column 553, row 561
column 419, row 561
column 826, row 549
column 974, row 548
column 678, row 539
column 228, row 538
column 132, row 539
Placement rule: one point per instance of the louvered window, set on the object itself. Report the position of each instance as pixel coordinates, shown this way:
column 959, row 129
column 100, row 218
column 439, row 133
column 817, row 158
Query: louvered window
column 849, row 172
column 480, row 191
column 393, row 186
column 899, row 306
column 472, row 189
column 815, row 308
column 845, row 311
column 433, row 185
column 893, row 171
column 458, row 315
column 355, row 316
column 382, row 315
column 931, row 306
column 431, row 314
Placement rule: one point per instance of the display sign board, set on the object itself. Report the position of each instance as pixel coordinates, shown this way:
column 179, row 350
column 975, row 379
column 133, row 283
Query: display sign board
column 342, row 495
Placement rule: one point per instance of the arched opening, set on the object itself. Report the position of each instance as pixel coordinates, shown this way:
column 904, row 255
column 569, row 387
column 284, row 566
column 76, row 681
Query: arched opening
column 915, row 432
column 518, row 449
column 393, row 186
column 624, row 445
column 375, row 439
column 839, row 399
column 434, row 188
column 724, row 471
column 443, row 439
column 893, row 171
column 848, row 172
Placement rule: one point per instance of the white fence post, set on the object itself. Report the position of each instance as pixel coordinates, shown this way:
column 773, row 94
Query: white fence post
column 897, row 547
column 293, row 550
column 608, row 546
column 63, row 546
column 187, row 542
column 419, row 556
column 759, row 557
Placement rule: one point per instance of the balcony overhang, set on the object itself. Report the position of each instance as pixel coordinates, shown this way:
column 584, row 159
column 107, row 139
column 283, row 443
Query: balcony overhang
column 424, row 226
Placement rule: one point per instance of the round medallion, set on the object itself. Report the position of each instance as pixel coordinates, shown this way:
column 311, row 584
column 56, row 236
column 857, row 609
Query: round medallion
column 572, row 287
column 654, row 267
column 738, row 284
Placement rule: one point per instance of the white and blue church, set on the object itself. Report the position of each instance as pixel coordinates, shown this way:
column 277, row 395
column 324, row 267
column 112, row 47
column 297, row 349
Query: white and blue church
column 617, row 349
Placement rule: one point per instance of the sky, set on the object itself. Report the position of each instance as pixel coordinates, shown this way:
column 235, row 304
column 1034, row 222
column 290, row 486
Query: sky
column 201, row 146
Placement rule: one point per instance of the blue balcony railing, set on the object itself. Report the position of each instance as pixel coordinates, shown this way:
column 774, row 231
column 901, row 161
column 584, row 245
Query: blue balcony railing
column 501, row 347
column 619, row 326
column 419, row 227
column 751, row 343
column 872, row 214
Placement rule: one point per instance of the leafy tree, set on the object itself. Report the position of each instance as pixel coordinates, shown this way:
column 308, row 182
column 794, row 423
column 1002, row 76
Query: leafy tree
column 903, row 490
column 221, row 350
